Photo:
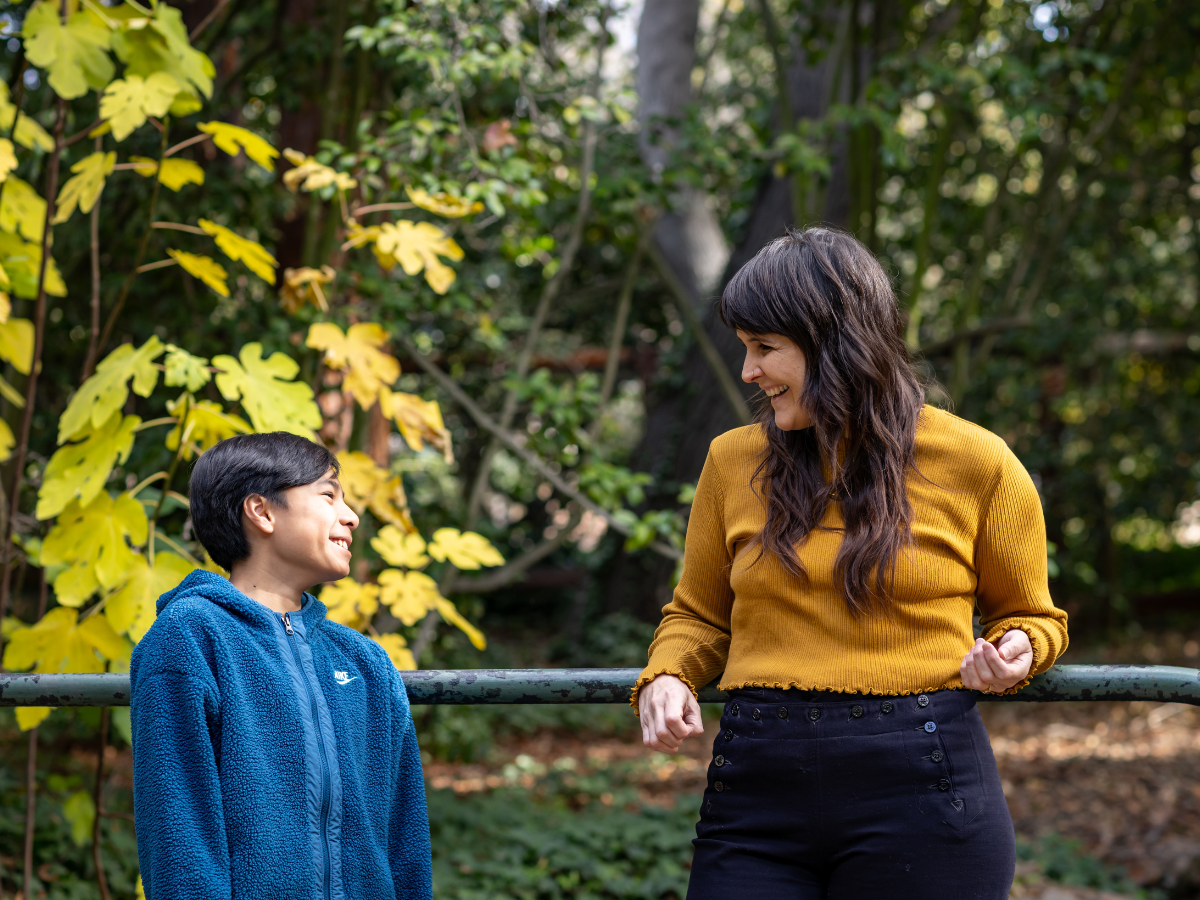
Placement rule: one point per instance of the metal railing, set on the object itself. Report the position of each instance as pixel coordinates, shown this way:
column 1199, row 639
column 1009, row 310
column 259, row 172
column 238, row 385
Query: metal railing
column 478, row 686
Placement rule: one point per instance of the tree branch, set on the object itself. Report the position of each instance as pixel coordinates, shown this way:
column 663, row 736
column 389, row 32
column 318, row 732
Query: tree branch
column 534, row 461
column 712, row 356
column 968, row 334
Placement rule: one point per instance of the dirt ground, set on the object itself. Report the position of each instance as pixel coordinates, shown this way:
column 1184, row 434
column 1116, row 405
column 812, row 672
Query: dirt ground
column 1120, row 778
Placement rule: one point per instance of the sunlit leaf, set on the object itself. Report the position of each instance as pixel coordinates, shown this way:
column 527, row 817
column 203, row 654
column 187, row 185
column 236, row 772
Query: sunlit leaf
column 205, row 268
column 417, row 246
column 357, row 353
column 7, row 440
column 310, row 175
column 16, row 344
column 84, row 189
column 22, row 261
column 464, row 549
column 301, row 286
column 400, row 549
column 175, row 172
column 79, row 471
column 449, row 612
column 409, row 595
column 8, row 158
column 128, row 101
column 418, row 420
column 131, row 608
column 350, row 603
column 206, row 424
column 236, row 247
column 181, row 369
column 22, row 210
column 272, row 401
column 107, row 390
column 80, row 812
column 32, row 716
column 160, row 44
column 233, row 139
column 89, row 541
column 443, row 204
column 396, row 647
column 61, row 643
column 74, row 52
column 368, row 486
column 29, row 134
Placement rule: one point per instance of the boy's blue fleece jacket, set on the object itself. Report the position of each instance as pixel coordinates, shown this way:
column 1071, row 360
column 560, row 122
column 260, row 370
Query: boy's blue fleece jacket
column 272, row 758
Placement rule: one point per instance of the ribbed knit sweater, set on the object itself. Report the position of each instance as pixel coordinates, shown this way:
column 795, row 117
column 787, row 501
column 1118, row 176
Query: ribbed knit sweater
column 979, row 539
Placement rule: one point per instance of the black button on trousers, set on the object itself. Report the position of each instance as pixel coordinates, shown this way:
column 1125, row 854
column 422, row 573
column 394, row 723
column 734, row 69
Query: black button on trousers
column 846, row 806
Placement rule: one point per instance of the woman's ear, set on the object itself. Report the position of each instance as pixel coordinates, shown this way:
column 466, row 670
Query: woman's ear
column 258, row 514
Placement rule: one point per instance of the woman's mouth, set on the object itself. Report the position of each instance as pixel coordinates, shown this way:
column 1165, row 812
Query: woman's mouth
column 776, row 391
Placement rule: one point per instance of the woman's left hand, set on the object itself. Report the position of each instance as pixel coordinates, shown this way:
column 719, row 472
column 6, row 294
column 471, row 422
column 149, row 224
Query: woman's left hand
column 997, row 668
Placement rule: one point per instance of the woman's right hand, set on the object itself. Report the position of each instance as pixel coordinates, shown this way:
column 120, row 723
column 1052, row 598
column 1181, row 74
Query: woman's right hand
column 669, row 714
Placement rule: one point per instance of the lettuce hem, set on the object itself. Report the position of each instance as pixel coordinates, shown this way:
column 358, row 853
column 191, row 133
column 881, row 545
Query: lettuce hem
column 645, row 678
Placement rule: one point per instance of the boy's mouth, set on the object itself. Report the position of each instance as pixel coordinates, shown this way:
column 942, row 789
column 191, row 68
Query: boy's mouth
column 773, row 392
column 341, row 542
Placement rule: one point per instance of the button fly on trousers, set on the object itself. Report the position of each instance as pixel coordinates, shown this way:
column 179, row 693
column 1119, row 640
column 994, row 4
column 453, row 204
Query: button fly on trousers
column 814, row 714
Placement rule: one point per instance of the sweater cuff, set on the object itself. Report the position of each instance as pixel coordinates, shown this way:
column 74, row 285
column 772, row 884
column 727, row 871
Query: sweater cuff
column 1036, row 641
column 649, row 674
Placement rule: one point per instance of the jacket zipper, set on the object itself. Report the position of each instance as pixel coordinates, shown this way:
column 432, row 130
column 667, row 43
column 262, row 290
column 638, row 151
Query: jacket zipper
column 325, row 787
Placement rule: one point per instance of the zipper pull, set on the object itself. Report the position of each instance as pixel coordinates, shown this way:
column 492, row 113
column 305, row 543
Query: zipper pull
column 287, row 624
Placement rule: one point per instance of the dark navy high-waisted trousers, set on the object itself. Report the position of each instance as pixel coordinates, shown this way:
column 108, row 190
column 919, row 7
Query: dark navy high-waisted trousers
column 829, row 796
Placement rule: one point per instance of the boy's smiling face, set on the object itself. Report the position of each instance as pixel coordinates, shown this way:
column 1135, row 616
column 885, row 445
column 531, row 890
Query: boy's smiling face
column 309, row 538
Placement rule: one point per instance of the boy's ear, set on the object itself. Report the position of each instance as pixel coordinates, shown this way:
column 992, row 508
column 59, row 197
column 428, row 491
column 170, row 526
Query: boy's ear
column 259, row 514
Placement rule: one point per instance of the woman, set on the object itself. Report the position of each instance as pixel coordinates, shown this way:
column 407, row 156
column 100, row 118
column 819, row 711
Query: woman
column 835, row 554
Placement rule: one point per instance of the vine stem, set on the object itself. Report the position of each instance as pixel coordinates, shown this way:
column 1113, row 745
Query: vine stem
column 31, row 774
column 90, row 360
column 97, row 798
column 185, row 435
column 31, row 383
column 106, row 335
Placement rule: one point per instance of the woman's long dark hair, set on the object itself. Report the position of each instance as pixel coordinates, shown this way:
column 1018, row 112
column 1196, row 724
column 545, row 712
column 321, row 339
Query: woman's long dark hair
column 828, row 293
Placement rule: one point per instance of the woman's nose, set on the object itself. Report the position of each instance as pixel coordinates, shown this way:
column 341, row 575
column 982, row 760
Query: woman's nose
column 751, row 373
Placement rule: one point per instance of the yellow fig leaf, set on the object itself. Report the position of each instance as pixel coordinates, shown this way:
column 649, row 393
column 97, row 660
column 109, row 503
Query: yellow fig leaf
column 206, row 424
column 310, row 175
column 302, row 286
column 84, row 189
column 107, row 390
column 89, row 542
column 128, row 101
column 418, row 420
column 29, row 134
column 409, row 595
column 181, row 369
column 272, row 401
column 400, row 549
column 160, row 44
column 396, row 647
column 205, row 268
column 79, row 471
column 32, row 716
column 8, row 158
column 464, row 549
column 367, row 485
column 75, row 52
column 16, row 344
column 7, row 440
column 233, row 139
column 80, row 812
column 61, row 643
column 350, row 603
column 417, row 246
column 131, row 608
column 236, row 247
column 175, row 172
column 449, row 612
column 443, row 204
column 22, row 260
column 357, row 353
column 22, row 210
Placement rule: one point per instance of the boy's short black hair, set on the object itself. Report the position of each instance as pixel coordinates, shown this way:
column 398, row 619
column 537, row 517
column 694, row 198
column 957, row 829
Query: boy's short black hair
column 233, row 469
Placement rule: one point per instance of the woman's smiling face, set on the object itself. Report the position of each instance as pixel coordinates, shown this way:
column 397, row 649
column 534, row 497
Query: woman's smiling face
column 777, row 365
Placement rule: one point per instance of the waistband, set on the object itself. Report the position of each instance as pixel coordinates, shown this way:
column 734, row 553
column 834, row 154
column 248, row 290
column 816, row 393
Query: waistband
column 795, row 714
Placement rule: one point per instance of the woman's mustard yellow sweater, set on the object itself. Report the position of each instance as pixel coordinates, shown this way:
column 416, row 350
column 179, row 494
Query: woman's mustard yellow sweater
column 979, row 539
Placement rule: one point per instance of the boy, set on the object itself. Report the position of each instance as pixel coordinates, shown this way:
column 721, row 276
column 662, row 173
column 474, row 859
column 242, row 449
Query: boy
column 274, row 754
